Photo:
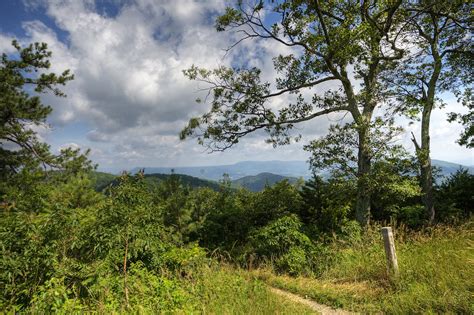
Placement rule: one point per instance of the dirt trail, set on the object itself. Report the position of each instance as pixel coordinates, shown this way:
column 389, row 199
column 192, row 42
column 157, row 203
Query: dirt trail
column 320, row 308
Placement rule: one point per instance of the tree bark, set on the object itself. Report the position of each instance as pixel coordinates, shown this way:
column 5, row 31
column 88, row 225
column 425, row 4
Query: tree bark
column 363, row 201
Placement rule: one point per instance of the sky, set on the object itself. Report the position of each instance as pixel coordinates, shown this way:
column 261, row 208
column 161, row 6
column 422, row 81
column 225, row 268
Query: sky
column 129, row 99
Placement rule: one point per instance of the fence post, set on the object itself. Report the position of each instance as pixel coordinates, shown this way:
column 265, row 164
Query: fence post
column 392, row 263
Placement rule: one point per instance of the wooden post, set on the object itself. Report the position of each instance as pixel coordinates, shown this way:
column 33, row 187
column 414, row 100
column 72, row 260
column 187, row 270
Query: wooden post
column 392, row 263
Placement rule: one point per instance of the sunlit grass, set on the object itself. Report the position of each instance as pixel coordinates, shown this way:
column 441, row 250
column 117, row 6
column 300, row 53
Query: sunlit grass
column 230, row 291
column 436, row 274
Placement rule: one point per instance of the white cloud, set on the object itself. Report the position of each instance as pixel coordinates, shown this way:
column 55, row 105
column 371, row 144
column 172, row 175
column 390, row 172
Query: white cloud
column 6, row 44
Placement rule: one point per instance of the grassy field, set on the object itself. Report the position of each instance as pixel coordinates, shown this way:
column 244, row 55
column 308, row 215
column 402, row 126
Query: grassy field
column 436, row 274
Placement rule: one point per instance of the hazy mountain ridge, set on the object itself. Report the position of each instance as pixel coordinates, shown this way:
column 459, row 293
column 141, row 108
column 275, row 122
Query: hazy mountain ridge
column 283, row 168
column 252, row 175
column 237, row 170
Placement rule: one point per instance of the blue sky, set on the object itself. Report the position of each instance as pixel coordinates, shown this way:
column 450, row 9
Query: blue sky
column 129, row 99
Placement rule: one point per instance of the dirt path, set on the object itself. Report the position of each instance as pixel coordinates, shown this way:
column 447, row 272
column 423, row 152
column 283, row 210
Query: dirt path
column 320, row 308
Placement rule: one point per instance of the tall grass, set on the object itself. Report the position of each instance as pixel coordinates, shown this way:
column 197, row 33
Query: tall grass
column 436, row 273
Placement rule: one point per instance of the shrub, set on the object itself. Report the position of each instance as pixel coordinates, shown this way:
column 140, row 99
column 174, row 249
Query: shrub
column 279, row 236
column 294, row 262
column 283, row 241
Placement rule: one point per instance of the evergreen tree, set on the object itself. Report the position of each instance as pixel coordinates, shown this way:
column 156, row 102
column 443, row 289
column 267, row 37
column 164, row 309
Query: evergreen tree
column 24, row 159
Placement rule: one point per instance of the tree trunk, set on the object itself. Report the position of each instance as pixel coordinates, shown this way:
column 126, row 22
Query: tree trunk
column 363, row 170
column 423, row 152
column 425, row 166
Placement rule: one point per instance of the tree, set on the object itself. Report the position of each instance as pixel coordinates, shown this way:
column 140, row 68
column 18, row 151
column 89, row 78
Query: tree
column 327, row 204
column 329, row 39
column 175, row 213
column 20, row 149
column 441, row 60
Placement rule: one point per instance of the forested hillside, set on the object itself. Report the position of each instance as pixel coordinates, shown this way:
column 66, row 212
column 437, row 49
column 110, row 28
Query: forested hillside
column 101, row 181
column 262, row 180
column 77, row 241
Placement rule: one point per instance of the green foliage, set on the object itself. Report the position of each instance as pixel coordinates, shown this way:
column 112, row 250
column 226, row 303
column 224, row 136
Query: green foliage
column 390, row 180
column 456, row 197
column 323, row 41
column 277, row 237
column 188, row 181
column 275, row 202
column 228, row 221
column 326, row 204
column 100, row 181
column 284, row 242
column 40, row 234
column 337, row 151
column 294, row 262
column 231, row 291
column 19, row 110
column 128, row 223
column 67, row 248
column 411, row 215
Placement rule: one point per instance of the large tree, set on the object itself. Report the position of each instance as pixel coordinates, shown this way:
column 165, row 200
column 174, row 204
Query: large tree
column 440, row 60
column 348, row 43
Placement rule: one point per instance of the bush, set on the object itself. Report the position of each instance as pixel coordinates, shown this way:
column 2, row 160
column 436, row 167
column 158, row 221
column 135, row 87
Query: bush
column 184, row 260
column 294, row 262
column 282, row 240
column 276, row 238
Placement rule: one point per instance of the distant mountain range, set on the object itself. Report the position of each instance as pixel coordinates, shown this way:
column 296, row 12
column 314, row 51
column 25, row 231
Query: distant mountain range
column 448, row 168
column 253, row 175
column 237, row 170
column 252, row 183
column 283, row 168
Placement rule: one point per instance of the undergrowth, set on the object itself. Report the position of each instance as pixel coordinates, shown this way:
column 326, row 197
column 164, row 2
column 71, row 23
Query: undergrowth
column 436, row 272
column 213, row 289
